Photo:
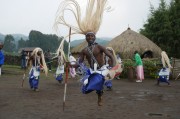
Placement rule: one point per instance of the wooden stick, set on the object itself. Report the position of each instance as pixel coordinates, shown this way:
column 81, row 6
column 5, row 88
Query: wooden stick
column 65, row 85
column 67, row 68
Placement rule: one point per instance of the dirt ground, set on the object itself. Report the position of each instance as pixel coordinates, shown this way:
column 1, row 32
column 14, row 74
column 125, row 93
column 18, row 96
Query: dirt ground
column 127, row 100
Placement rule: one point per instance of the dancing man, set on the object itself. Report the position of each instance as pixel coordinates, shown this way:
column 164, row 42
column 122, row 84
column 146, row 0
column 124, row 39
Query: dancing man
column 97, row 71
column 37, row 63
column 89, row 26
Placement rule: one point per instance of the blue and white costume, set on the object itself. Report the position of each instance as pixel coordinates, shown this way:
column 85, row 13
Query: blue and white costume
column 93, row 80
column 59, row 73
column 163, row 76
column 60, row 69
column 37, row 62
column 34, row 77
column 165, row 71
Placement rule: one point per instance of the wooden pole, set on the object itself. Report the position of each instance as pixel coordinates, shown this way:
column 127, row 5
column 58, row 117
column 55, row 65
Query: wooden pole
column 67, row 68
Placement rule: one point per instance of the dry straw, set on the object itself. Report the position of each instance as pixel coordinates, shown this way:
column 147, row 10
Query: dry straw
column 89, row 23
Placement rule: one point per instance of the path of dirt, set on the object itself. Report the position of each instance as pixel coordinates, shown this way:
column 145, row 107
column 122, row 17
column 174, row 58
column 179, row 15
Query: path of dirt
column 128, row 100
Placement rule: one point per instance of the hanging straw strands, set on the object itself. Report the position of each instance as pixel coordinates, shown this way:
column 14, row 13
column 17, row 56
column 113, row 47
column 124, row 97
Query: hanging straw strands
column 92, row 20
column 60, row 49
column 165, row 60
column 114, row 54
column 35, row 51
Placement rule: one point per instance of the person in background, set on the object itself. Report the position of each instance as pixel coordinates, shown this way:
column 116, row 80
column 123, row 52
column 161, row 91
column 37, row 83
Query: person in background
column 48, row 59
column 119, row 58
column 23, row 59
column 108, row 62
column 1, row 57
column 163, row 75
column 61, row 60
column 117, row 67
column 72, row 61
column 37, row 63
column 139, row 67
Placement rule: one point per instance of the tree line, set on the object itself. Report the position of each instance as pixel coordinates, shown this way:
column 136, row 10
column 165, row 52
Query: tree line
column 36, row 39
column 163, row 27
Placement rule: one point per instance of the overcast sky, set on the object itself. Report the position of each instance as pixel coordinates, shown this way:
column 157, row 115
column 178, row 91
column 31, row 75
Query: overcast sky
column 22, row 16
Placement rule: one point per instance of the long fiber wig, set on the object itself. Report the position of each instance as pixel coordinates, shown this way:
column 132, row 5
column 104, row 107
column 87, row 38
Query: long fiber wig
column 165, row 60
column 114, row 55
column 34, row 53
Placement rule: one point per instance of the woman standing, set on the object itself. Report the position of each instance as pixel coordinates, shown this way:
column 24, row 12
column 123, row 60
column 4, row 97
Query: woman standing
column 139, row 67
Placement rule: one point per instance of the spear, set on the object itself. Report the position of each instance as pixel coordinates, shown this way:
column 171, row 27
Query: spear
column 67, row 67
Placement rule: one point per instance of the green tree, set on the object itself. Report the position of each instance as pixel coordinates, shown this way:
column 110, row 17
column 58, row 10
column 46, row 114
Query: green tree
column 35, row 38
column 174, row 15
column 9, row 44
column 158, row 27
column 21, row 43
column 45, row 41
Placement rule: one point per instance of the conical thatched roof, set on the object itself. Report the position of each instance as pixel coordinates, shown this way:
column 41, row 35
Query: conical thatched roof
column 79, row 48
column 130, row 41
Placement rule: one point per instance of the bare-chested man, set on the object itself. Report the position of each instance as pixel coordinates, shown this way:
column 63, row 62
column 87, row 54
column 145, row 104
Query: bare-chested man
column 97, row 72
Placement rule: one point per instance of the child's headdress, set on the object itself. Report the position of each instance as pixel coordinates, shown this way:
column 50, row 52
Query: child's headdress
column 34, row 53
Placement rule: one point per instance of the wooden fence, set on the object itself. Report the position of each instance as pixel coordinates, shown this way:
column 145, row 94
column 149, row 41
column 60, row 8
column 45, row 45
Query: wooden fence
column 176, row 67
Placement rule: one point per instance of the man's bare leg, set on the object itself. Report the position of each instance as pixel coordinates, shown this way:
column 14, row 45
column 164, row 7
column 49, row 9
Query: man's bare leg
column 100, row 100
column 100, row 93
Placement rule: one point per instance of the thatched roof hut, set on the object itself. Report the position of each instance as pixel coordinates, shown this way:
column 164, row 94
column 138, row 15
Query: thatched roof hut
column 130, row 41
column 79, row 48
column 26, row 49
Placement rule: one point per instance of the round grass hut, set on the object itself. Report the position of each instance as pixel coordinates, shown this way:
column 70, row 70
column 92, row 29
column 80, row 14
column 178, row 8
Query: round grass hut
column 79, row 48
column 130, row 41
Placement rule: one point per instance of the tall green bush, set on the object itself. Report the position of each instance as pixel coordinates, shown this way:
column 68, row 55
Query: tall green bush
column 151, row 67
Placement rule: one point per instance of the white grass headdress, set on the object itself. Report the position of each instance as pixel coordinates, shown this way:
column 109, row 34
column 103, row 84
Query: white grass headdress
column 60, row 49
column 165, row 60
column 89, row 23
column 34, row 53
column 114, row 55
